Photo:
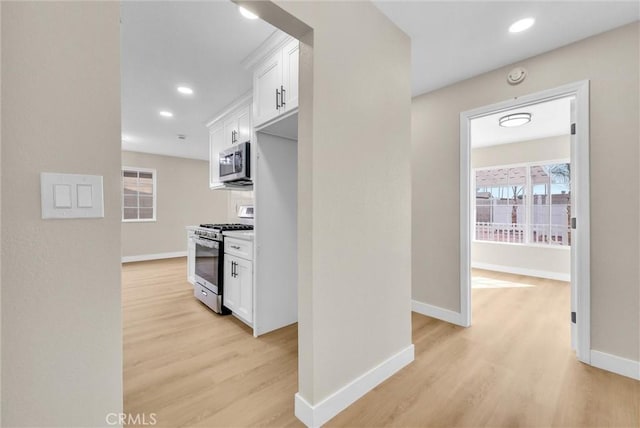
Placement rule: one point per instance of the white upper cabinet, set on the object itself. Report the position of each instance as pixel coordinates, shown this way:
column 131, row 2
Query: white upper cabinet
column 216, row 144
column 232, row 126
column 267, row 80
column 290, row 55
column 275, row 84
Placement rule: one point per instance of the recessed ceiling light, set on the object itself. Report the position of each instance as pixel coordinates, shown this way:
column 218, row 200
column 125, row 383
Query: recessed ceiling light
column 249, row 15
column 521, row 25
column 185, row 90
column 165, row 113
column 513, row 120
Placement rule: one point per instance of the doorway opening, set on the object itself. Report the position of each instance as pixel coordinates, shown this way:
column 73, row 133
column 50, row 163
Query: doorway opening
column 524, row 205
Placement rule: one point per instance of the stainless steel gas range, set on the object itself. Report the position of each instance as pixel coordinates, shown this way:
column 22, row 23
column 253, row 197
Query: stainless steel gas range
column 209, row 264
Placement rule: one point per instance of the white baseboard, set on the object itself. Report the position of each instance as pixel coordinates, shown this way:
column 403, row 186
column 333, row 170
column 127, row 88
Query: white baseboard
column 145, row 257
column 438, row 312
column 615, row 364
column 316, row 415
column 523, row 271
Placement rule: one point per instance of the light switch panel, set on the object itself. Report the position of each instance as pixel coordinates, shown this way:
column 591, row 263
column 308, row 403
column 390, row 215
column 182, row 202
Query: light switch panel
column 71, row 196
column 61, row 196
column 85, row 197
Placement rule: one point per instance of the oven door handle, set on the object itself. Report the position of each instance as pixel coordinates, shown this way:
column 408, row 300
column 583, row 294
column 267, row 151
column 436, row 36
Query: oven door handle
column 207, row 243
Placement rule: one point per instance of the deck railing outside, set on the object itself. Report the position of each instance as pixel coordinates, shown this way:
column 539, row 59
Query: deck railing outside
column 553, row 234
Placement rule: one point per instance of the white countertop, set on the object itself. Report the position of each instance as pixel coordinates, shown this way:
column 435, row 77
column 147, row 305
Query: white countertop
column 247, row 235
column 191, row 227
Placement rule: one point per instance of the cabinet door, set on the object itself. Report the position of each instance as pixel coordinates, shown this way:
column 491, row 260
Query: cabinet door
column 244, row 125
column 266, row 80
column 244, row 271
column 216, row 144
column 290, row 55
column 191, row 258
column 231, row 291
column 230, row 130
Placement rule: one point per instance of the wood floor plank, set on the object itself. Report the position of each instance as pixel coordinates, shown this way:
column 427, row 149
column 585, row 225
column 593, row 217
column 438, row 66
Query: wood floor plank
column 513, row 367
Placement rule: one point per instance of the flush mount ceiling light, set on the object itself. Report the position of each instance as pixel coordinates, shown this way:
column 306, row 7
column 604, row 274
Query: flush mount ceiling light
column 165, row 113
column 521, row 25
column 249, row 15
column 513, row 120
column 185, row 90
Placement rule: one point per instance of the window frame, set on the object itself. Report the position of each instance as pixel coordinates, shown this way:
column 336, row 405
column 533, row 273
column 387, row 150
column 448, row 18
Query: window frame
column 154, row 177
column 528, row 202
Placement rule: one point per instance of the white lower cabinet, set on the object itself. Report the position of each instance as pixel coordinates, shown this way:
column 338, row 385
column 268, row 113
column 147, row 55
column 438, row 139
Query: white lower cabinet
column 238, row 286
column 191, row 257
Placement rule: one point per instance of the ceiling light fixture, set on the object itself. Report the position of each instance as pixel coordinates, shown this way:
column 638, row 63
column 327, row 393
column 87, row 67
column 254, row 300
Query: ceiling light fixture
column 513, row 120
column 185, row 90
column 249, row 15
column 165, row 113
column 521, row 25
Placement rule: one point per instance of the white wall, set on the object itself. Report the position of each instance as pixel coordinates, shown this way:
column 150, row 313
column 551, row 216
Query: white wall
column 354, row 207
column 535, row 260
column 61, row 317
column 236, row 199
column 611, row 62
column 183, row 199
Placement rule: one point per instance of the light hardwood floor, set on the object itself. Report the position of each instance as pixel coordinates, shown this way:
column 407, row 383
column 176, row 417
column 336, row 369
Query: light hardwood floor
column 513, row 367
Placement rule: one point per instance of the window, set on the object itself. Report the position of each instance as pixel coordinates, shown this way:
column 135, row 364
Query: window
column 138, row 194
column 505, row 212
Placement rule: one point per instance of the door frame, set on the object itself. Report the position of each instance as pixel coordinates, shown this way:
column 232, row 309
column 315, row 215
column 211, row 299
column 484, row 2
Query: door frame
column 580, row 250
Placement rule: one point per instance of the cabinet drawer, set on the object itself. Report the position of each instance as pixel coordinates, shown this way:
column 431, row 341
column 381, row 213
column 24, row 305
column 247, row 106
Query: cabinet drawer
column 239, row 248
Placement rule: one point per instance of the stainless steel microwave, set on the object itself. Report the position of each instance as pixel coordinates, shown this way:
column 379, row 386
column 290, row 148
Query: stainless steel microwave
column 235, row 164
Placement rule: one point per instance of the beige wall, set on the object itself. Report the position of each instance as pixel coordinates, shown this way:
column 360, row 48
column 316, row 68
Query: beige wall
column 354, row 194
column 535, row 260
column 611, row 62
column 183, row 199
column 61, row 318
column 0, row 219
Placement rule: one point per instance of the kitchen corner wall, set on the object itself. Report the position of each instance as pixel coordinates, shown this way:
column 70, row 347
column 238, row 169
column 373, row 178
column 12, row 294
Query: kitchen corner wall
column 61, row 316
column 354, row 207
column 611, row 62
column 183, row 199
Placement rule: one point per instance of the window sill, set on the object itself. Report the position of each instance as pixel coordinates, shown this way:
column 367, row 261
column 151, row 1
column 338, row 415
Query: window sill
column 146, row 220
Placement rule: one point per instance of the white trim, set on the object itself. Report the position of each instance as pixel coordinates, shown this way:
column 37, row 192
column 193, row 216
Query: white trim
column 316, row 415
column 276, row 41
column 158, row 256
column 580, row 273
column 615, row 364
column 154, row 177
column 438, row 312
column 523, row 271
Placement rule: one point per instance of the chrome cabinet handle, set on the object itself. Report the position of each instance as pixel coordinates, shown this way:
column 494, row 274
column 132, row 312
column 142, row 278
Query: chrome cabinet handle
column 235, row 247
column 282, row 91
column 203, row 292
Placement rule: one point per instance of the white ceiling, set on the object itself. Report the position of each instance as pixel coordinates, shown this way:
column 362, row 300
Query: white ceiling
column 455, row 40
column 548, row 119
column 165, row 44
column 202, row 44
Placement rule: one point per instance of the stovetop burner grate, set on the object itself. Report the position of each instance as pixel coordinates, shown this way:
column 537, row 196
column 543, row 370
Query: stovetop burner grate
column 227, row 226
